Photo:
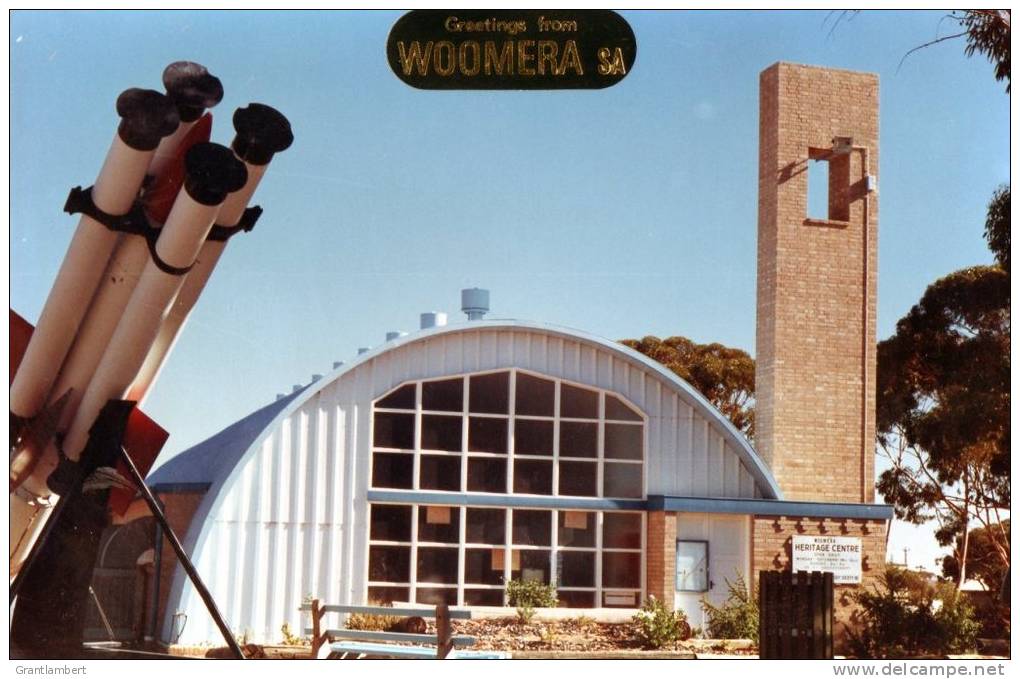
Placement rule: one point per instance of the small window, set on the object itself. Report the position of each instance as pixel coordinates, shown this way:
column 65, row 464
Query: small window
column 490, row 393
column 487, row 435
column 441, row 432
column 579, row 478
column 394, row 430
column 692, row 566
column 533, row 477
column 577, row 529
column 532, row 528
column 535, row 396
column 617, row 410
column 439, row 524
column 486, row 475
column 579, row 439
column 391, row 523
column 392, row 470
column 439, row 472
column 486, row 526
column 577, row 402
column 575, row 569
column 533, row 437
column 402, row 398
column 445, row 395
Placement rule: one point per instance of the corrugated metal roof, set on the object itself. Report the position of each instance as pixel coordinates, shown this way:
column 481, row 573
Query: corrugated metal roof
column 214, row 457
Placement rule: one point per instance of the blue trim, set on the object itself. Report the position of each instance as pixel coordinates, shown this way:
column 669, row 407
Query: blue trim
column 520, row 501
column 819, row 510
column 183, row 487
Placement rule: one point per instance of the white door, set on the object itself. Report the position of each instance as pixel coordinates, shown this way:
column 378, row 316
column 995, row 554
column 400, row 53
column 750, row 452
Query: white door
column 711, row 550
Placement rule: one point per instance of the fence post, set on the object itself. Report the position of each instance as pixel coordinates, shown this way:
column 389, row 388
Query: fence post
column 444, row 631
column 317, row 639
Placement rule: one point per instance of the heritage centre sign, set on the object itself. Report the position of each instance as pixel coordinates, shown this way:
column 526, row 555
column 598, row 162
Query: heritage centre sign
column 840, row 556
column 511, row 49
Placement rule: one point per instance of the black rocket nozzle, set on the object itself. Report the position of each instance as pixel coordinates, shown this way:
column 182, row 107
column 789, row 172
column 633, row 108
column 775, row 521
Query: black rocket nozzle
column 261, row 132
column 212, row 171
column 146, row 117
column 192, row 88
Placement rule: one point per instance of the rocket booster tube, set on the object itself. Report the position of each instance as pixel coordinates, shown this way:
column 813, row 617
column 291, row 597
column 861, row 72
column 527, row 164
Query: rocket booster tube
column 262, row 131
column 192, row 89
column 212, row 173
column 147, row 116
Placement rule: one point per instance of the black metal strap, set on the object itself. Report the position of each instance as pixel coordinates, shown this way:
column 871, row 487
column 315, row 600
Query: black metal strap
column 79, row 200
column 223, row 233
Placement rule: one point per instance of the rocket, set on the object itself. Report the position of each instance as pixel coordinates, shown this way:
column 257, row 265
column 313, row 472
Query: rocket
column 144, row 250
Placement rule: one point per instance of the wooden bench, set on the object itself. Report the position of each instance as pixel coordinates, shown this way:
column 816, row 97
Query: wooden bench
column 344, row 642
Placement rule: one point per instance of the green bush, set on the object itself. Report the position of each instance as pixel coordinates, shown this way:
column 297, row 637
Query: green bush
column 902, row 619
column 737, row 618
column 527, row 595
column 656, row 627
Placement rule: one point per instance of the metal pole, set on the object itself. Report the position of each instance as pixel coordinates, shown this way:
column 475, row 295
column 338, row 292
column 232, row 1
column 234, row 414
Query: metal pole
column 189, row 568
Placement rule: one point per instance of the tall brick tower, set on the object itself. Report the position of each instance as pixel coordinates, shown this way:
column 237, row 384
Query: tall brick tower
column 815, row 411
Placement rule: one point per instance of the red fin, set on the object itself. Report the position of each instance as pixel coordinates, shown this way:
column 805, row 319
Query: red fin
column 143, row 439
column 160, row 196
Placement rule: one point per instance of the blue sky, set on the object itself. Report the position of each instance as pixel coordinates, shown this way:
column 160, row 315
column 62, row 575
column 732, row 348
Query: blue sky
column 624, row 212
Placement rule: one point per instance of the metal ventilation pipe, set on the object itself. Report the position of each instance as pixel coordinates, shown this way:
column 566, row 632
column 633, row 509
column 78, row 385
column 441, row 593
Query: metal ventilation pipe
column 474, row 302
column 337, row 364
column 296, row 388
column 394, row 334
column 433, row 319
column 362, row 350
column 279, row 396
column 316, row 377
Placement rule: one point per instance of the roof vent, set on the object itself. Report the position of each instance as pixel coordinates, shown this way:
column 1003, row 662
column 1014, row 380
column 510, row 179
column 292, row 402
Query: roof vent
column 337, row 364
column 279, row 396
column 433, row 319
column 362, row 350
column 474, row 302
column 394, row 334
column 316, row 377
column 296, row 388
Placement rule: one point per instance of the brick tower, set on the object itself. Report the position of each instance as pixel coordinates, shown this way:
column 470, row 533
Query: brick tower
column 815, row 421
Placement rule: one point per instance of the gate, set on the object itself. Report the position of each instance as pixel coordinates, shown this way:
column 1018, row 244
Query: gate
column 795, row 615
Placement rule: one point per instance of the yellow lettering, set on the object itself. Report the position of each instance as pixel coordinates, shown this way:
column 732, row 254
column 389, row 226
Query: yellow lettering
column 504, row 59
column 611, row 63
column 475, row 59
column 452, row 24
column 412, row 58
column 444, row 47
column 525, row 56
column 547, row 53
column 571, row 59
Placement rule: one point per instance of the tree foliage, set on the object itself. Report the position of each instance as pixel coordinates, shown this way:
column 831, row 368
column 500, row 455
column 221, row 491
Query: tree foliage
column 988, row 34
column 943, row 404
column 723, row 375
column 997, row 226
column 983, row 562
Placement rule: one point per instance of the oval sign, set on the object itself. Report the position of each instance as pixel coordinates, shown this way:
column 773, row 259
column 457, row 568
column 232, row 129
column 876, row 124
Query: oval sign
column 475, row 49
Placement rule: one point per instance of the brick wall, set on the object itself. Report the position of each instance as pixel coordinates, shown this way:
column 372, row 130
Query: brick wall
column 660, row 559
column 772, row 543
column 817, row 285
column 179, row 507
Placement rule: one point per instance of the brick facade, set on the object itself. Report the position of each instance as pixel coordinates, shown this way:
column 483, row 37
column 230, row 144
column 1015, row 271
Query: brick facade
column 179, row 508
column 772, row 544
column 660, row 558
column 815, row 374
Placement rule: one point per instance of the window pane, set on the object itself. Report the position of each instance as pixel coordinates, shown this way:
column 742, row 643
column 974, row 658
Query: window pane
column 440, row 432
column 386, row 595
column 691, row 566
column 440, row 472
column 531, row 565
column 623, row 441
column 437, row 564
column 533, row 477
column 486, row 475
column 579, row 439
column 486, row 526
column 392, row 470
column 577, row 402
column 394, row 430
column 389, row 564
column 621, row 569
column 579, row 478
column 570, row 599
column 484, row 566
column 532, row 527
column 576, row 569
column 439, row 524
column 436, row 595
column 577, row 529
column 622, row 480
column 391, row 523
column 535, row 396
column 401, row 398
column 443, row 395
column 483, row 597
column 621, row 531
column 533, row 437
column 487, row 435
column 490, row 393
column 618, row 410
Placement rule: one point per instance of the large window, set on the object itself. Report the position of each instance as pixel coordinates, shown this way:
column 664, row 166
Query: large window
column 508, row 432
column 465, row 555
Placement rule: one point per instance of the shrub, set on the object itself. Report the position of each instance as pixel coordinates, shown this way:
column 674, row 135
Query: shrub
column 901, row 619
column 656, row 627
column 527, row 595
column 737, row 618
column 289, row 638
